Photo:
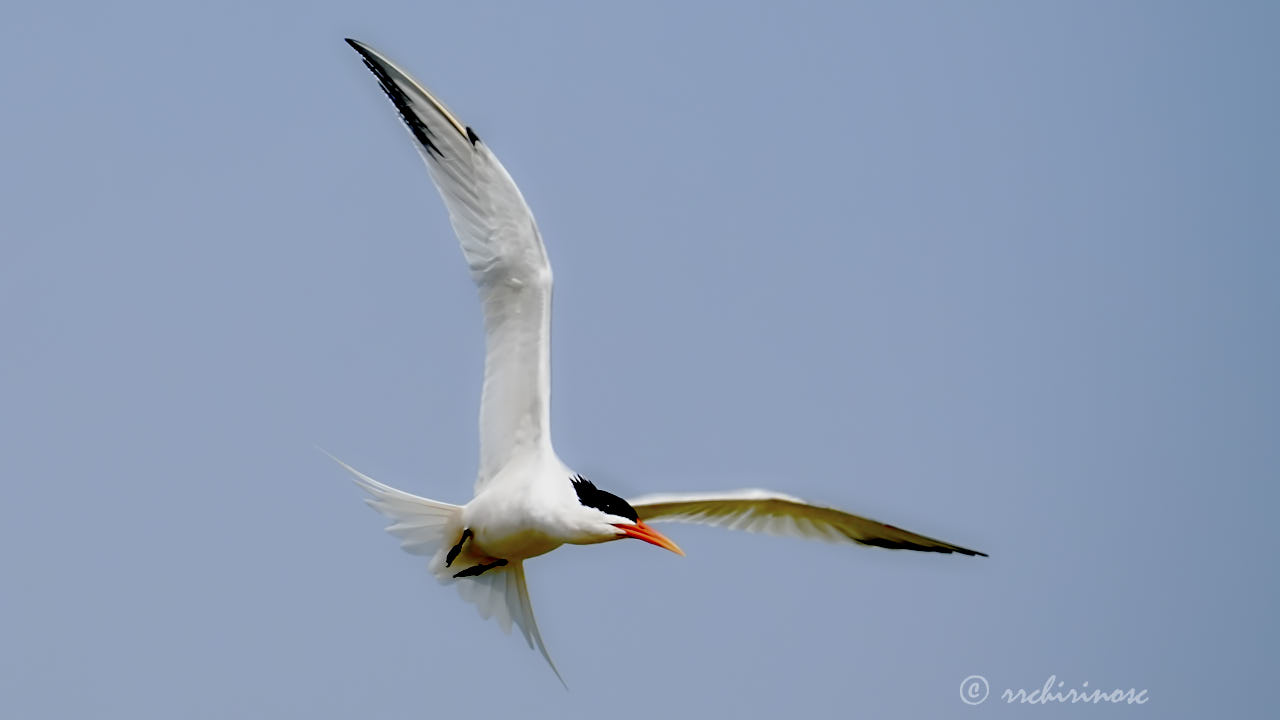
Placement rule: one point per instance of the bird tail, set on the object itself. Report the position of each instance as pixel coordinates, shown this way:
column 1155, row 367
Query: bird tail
column 427, row 527
column 421, row 524
column 503, row 594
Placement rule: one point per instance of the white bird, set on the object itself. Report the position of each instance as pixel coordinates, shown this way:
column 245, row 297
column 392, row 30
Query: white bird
column 527, row 501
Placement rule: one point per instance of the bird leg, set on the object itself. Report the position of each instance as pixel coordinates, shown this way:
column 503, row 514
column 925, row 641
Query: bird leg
column 478, row 569
column 453, row 552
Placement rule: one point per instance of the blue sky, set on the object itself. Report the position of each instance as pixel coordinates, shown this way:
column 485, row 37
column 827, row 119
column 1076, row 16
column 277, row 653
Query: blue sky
column 1001, row 273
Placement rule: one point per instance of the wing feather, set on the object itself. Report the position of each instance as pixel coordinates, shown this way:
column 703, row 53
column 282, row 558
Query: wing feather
column 508, row 263
column 777, row 514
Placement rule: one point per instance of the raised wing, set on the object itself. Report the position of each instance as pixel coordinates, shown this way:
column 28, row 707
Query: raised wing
column 508, row 263
column 777, row 514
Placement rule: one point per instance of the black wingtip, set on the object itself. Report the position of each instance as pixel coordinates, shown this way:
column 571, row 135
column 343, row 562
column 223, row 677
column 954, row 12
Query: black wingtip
column 360, row 48
column 398, row 98
column 907, row 545
column 472, row 136
column 366, row 53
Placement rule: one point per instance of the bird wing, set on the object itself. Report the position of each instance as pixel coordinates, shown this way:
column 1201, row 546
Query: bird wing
column 508, row 262
column 777, row 514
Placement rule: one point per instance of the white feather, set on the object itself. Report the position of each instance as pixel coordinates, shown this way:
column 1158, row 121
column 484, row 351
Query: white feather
column 421, row 524
column 503, row 595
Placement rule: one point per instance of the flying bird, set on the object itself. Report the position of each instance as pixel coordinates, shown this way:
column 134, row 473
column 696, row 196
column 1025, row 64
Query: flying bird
column 527, row 501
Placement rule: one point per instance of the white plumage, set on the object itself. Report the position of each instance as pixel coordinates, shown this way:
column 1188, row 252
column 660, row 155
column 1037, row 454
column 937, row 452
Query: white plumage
column 527, row 502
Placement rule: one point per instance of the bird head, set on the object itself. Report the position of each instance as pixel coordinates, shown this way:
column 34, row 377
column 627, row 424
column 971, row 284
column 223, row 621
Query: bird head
column 618, row 515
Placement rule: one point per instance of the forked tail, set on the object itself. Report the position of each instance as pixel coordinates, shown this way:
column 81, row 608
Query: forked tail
column 421, row 524
column 502, row 594
column 428, row 527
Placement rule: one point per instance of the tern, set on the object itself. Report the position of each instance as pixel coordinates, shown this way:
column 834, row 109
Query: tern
column 527, row 501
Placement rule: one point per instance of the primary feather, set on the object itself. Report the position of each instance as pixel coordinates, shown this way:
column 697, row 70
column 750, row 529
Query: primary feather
column 777, row 514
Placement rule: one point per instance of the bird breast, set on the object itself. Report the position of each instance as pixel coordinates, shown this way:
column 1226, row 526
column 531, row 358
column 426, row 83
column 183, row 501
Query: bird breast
column 513, row 526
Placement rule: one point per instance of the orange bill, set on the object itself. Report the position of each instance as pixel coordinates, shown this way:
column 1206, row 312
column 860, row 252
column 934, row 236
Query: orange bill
column 640, row 531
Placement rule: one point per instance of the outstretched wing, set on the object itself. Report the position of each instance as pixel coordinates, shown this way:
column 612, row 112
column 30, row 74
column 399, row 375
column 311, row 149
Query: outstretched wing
column 777, row 514
column 508, row 263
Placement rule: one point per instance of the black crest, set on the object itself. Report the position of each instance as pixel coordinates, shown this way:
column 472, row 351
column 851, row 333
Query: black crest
column 592, row 496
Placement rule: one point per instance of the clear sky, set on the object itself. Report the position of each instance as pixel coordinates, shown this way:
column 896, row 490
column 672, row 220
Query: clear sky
column 1003, row 273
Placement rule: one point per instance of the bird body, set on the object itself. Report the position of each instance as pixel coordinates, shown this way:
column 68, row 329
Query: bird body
column 530, row 509
column 527, row 501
